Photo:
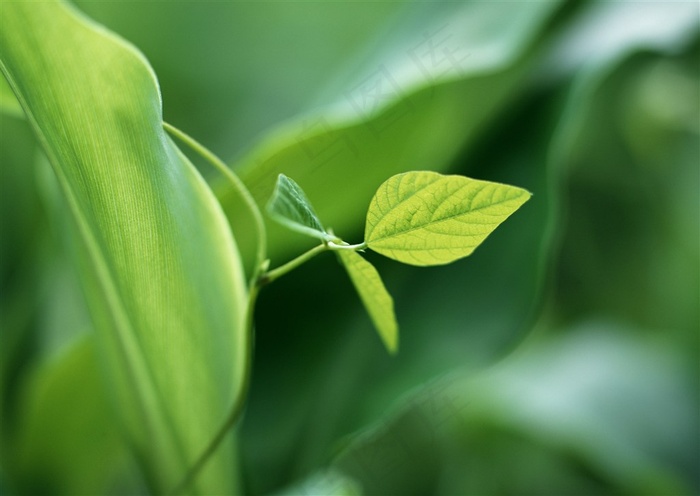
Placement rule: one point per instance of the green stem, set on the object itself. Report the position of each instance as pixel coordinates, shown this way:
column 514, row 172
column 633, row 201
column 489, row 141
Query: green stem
column 239, row 401
column 273, row 274
column 334, row 246
column 238, row 404
column 238, row 186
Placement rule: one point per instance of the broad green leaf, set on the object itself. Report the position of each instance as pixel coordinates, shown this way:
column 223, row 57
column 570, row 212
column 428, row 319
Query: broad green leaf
column 374, row 295
column 160, row 267
column 290, row 207
column 426, row 218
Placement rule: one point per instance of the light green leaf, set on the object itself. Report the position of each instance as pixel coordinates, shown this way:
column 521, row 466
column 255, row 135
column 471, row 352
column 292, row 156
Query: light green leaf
column 374, row 295
column 425, row 218
column 160, row 267
column 289, row 206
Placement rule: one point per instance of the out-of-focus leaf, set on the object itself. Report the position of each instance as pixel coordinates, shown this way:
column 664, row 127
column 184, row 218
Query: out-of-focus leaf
column 8, row 103
column 22, row 238
column 326, row 483
column 425, row 218
column 67, row 440
column 163, row 276
column 606, row 32
column 290, row 207
column 572, row 415
column 231, row 70
column 63, row 317
column 392, row 117
column 636, row 225
column 374, row 295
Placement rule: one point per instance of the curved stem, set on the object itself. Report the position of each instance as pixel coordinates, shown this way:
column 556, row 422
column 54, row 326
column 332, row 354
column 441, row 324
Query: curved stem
column 259, row 278
column 334, row 246
column 238, row 186
column 273, row 274
column 239, row 401
column 238, row 404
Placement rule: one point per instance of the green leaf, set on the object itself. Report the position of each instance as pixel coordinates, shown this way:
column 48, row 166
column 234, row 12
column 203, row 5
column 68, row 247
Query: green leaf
column 160, row 267
column 425, row 218
column 66, row 440
column 374, row 295
column 289, row 206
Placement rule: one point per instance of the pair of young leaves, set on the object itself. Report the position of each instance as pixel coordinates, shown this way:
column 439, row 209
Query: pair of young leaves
column 419, row 218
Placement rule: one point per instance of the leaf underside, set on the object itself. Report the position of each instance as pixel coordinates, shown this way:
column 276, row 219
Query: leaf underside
column 425, row 218
column 290, row 207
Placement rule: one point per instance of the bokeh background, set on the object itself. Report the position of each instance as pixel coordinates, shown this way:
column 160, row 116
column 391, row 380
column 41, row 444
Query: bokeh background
column 562, row 357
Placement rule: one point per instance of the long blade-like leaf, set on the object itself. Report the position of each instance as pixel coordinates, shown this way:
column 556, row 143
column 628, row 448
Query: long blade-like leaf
column 163, row 274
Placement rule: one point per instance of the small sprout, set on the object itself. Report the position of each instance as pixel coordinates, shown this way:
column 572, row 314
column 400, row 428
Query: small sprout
column 418, row 218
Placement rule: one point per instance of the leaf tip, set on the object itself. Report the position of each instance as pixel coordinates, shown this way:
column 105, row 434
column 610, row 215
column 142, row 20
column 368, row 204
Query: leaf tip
column 393, row 346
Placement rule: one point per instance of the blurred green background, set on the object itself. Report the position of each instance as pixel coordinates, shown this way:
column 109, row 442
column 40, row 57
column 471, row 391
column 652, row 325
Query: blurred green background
column 562, row 357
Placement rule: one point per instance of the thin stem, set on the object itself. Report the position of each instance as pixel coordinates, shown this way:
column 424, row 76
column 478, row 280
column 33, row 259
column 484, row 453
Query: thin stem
column 238, row 186
column 334, row 246
column 238, row 404
column 259, row 278
column 239, row 401
column 273, row 274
